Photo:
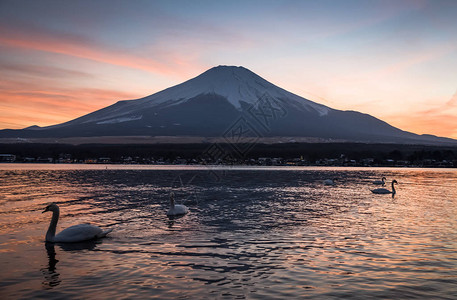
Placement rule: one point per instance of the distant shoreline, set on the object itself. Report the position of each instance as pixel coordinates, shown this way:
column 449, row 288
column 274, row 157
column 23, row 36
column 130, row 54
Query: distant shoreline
column 152, row 140
column 257, row 154
column 79, row 166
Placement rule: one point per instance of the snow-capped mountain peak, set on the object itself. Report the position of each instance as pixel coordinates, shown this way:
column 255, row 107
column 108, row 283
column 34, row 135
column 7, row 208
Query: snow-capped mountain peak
column 236, row 84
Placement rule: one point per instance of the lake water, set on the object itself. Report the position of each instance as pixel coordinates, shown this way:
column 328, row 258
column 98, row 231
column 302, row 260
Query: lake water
column 254, row 233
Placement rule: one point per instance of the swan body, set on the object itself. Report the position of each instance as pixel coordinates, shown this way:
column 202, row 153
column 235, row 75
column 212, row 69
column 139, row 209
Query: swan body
column 72, row 234
column 329, row 181
column 176, row 209
column 385, row 191
column 380, row 182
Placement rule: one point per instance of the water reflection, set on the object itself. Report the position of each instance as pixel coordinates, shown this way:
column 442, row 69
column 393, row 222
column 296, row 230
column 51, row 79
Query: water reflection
column 172, row 220
column 51, row 276
column 253, row 234
column 86, row 245
column 50, row 273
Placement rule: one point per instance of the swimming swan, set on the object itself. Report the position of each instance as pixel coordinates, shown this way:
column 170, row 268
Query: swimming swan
column 73, row 234
column 386, row 191
column 380, row 182
column 176, row 209
column 330, row 181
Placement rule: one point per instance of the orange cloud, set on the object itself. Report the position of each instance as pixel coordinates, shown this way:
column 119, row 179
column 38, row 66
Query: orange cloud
column 19, row 119
column 439, row 121
column 440, row 125
column 80, row 47
column 42, row 105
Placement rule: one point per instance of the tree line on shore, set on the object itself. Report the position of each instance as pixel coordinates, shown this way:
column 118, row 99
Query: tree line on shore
column 267, row 154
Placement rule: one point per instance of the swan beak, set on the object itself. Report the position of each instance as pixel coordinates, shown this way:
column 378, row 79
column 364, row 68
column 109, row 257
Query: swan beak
column 45, row 210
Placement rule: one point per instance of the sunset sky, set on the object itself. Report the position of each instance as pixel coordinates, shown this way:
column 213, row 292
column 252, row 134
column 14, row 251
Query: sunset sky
column 395, row 60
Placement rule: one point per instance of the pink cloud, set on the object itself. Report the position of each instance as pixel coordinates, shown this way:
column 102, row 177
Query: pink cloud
column 80, row 47
column 43, row 71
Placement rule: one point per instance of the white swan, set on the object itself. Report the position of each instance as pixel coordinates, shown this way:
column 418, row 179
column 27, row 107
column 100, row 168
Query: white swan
column 176, row 209
column 330, row 181
column 73, row 234
column 386, row 191
column 380, row 182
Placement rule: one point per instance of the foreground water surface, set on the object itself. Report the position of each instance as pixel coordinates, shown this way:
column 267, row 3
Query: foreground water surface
column 254, row 233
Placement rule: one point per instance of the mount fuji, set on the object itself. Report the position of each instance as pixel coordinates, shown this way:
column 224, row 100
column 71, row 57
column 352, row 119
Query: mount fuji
column 227, row 101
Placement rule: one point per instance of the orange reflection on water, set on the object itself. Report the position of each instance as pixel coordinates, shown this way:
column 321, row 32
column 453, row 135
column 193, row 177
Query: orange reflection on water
column 276, row 234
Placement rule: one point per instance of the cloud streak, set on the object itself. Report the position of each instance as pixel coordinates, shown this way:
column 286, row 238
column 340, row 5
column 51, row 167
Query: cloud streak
column 43, row 71
column 81, row 47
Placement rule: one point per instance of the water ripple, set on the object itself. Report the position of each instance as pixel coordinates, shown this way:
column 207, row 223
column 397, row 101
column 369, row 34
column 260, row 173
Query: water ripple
column 257, row 234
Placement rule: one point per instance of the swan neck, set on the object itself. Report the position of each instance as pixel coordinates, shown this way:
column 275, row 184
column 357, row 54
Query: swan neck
column 393, row 188
column 52, row 226
column 172, row 202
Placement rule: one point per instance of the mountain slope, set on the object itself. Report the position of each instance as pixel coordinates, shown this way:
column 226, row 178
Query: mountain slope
column 217, row 103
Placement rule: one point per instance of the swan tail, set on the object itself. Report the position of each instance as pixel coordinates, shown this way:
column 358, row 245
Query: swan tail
column 104, row 233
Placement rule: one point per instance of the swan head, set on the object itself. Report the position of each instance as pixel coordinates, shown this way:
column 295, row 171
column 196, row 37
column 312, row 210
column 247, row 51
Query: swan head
column 394, row 182
column 383, row 178
column 51, row 207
